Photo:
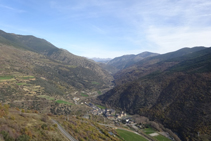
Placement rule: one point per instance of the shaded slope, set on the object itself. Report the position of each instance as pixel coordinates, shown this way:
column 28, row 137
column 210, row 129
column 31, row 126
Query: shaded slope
column 177, row 95
column 154, row 64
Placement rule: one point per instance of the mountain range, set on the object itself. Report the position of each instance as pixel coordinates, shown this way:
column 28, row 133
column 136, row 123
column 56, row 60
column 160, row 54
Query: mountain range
column 173, row 89
column 123, row 62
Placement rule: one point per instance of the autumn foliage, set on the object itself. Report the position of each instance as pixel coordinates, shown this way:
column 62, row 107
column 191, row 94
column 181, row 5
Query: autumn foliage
column 3, row 110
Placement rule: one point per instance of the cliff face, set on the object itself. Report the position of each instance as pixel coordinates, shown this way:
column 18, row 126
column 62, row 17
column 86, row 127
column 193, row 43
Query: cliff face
column 175, row 92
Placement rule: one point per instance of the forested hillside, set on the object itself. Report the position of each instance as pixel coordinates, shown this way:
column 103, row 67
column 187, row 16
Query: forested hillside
column 174, row 89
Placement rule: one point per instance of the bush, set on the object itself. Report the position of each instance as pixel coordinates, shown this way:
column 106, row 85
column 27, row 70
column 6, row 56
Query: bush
column 45, row 119
column 35, row 111
column 44, row 126
column 55, row 125
column 6, row 136
column 23, row 138
column 3, row 110
column 12, row 118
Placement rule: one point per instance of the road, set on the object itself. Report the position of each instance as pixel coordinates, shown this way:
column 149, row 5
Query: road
column 64, row 132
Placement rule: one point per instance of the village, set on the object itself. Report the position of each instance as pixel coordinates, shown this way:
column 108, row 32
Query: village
column 111, row 114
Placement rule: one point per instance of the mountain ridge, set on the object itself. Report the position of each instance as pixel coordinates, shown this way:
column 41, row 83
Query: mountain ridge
column 125, row 61
column 175, row 92
column 41, row 46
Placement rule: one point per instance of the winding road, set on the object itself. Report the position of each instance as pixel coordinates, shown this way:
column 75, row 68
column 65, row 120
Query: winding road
column 64, row 132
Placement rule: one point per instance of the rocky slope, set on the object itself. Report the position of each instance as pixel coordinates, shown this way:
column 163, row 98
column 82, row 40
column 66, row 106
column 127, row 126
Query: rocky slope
column 174, row 89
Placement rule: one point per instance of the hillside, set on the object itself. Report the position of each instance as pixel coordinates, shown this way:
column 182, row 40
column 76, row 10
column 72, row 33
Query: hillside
column 173, row 89
column 126, row 61
column 83, row 68
column 29, row 125
column 36, row 75
column 153, row 64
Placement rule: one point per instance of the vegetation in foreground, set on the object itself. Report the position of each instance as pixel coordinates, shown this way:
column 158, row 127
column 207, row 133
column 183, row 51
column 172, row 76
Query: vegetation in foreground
column 29, row 125
column 21, row 125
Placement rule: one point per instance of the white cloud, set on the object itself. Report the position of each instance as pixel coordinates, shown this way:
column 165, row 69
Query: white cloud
column 170, row 39
column 12, row 9
column 97, row 50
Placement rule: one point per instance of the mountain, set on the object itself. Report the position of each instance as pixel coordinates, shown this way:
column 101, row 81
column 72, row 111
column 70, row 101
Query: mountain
column 80, row 69
column 126, row 61
column 35, row 75
column 101, row 60
column 173, row 89
column 151, row 64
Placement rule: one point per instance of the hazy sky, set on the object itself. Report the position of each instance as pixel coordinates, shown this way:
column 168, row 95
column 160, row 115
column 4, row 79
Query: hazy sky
column 111, row 28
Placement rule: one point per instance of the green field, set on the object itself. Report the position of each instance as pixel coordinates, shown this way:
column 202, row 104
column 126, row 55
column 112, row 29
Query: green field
column 47, row 97
column 85, row 95
column 149, row 130
column 129, row 136
column 20, row 84
column 162, row 138
column 95, row 83
column 64, row 102
column 5, row 77
column 102, row 107
column 99, row 92
column 27, row 77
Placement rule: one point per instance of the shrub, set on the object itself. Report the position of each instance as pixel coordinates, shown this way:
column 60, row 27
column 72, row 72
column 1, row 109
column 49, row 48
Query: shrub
column 23, row 138
column 12, row 118
column 28, row 111
column 35, row 111
column 4, row 110
column 6, row 136
column 44, row 126
column 44, row 119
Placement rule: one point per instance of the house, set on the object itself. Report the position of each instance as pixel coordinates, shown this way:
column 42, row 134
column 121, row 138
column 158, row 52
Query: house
column 110, row 117
column 76, row 98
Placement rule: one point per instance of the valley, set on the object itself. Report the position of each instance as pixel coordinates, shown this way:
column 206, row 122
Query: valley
column 156, row 96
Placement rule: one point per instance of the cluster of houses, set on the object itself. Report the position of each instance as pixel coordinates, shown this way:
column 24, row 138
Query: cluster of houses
column 109, row 113
column 76, row 99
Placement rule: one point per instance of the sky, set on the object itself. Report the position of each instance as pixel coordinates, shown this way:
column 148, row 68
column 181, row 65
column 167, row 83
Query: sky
column 111, row 28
